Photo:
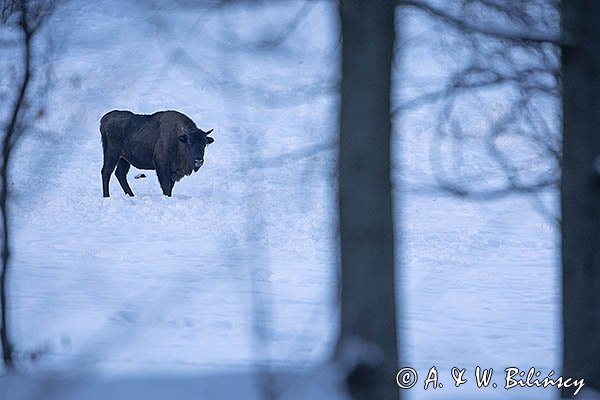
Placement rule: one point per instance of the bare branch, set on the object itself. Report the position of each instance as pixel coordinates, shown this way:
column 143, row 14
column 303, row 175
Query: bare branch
column 32, row 15
column 524, row 35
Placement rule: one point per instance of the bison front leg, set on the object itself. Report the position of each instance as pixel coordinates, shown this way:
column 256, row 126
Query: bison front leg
column 121, row 174
column 166, row 183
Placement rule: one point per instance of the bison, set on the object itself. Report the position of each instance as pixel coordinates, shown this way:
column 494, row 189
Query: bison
column 166, row 141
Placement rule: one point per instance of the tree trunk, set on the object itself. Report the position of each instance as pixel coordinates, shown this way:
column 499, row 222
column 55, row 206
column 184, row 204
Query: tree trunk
column 580, row 191
column 368, row 302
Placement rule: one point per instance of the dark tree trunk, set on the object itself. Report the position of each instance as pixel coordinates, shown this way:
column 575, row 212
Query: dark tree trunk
column 580, row 191
column 368, row 302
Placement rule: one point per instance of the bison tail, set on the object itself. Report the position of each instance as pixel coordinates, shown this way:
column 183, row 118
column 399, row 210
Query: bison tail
column 103, row 136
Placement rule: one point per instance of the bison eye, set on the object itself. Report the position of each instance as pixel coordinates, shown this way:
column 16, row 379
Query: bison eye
column 183, row 139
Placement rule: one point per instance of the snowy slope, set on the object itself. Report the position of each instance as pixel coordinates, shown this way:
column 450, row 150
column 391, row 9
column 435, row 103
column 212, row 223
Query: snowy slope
column 129, row 272
column 123, row 286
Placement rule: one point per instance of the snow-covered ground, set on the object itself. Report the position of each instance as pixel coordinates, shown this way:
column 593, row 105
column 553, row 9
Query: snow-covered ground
column 238, row 267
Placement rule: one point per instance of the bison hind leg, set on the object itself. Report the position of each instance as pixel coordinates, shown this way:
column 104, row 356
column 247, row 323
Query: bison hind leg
column 110, row 161
column 121, row 174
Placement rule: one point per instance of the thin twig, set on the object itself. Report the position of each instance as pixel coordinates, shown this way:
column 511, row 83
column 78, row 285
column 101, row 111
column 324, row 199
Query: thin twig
column 11, row 132
column 498, row 32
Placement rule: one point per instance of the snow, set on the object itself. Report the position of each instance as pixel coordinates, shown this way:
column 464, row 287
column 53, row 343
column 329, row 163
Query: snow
column 230, row 384
column 238, row 268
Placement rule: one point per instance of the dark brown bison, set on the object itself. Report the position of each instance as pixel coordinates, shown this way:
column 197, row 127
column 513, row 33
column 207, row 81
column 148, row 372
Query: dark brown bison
column 167, row 141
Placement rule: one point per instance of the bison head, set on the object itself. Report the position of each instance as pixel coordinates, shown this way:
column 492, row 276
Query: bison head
column 196, row 141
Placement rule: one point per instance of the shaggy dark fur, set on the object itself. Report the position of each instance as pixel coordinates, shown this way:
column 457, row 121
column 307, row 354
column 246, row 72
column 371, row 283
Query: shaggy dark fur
column 166, row 141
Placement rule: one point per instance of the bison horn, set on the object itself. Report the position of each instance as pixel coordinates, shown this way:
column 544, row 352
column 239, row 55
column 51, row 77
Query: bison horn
column 208, row 132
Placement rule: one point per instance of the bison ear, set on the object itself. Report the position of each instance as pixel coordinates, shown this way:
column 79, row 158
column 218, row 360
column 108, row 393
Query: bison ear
column 183, row 138
column 209, row 140
column 209, row 132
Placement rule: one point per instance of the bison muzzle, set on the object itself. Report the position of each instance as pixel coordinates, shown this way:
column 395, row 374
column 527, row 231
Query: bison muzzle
column 167, row 141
